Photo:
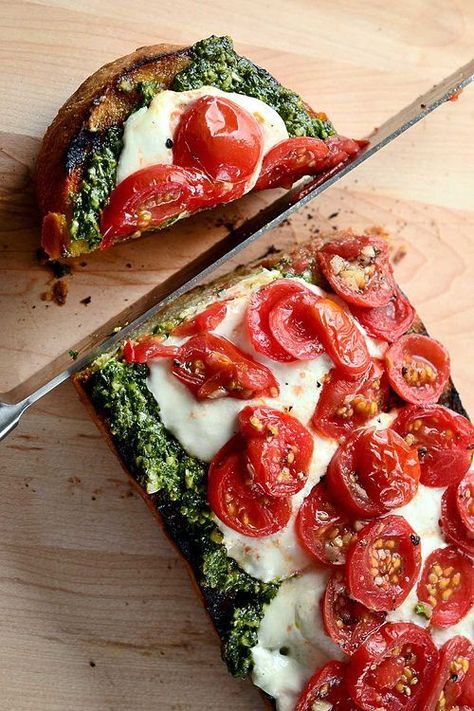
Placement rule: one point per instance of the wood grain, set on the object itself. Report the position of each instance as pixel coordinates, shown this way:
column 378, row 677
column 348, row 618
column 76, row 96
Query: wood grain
column 96, row 612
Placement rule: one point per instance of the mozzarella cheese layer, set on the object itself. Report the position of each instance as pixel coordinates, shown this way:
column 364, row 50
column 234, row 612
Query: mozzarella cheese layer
column 148, row 130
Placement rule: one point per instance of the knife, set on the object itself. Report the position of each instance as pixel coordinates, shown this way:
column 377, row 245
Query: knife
column 14, row 403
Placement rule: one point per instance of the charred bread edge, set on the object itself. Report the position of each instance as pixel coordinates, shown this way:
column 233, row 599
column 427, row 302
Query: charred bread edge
column 175, row 534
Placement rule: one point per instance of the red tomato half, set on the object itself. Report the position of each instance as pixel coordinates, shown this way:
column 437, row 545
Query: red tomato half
column 358, row 269
column 293, row 324
column 347, row 621
column 453, row 686
column 393, row 669
column 452, row 524
column 290, row 160
column 417, row 368
column 322, row 529
column 146, row 349
column 233, row 499
column 212, row 367
column 465, row 501
column 387, row 322
column 207, row 320
column 262, row 302
column 326, row 686
column 347, row 403
column 447, row 586
column 443, row 439
column 279, row 450
column 383, row 563
column 220, row 138
column 342, row 340
column 150, row 197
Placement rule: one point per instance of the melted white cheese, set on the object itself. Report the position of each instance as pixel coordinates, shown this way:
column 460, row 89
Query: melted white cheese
column 148, row 129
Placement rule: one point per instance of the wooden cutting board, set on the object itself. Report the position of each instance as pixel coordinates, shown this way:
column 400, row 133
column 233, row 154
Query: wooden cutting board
column 96, row 611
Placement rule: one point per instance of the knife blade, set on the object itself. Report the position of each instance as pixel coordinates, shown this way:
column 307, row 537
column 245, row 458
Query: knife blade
column 14, row 403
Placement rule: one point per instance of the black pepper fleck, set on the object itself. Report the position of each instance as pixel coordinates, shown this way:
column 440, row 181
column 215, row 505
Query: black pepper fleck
column 169, row 143
column 415, row 539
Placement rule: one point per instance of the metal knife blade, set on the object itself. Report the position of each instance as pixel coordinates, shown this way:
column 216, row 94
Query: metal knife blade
column 15, row 402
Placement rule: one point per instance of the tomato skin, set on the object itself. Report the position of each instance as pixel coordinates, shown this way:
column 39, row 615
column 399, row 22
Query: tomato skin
column 146, row 349
column 443, row 438
column 456, row 688
column 387, row 322
column 465, row 502
column 374, row 671
column 397, row 582
column 452, row 525
column 207, row 320
column 461, row 600
column 276, row 443
column 347, row 622
column 315, row 524
column 235, row 502
column 358, row 270
column 417, row 368
column 342, row 340
column 150, row 197
column 293, row 324
column 347, row 403
column 290, row 160
column 220, row 138
column 261, row 304
column 327, row 685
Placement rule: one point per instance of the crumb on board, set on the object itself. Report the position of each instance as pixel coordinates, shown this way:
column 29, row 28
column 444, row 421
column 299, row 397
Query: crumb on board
column 86, row 301
column 57, row 293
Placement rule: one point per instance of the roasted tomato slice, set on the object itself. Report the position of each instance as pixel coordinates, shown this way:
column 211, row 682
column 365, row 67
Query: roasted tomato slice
column 417, row 368
column 293, row 324
column 212, row 367
column 207, row 320
column 150, row 198
column 358, row 269
column 387, row 322
column 452, row 524
column 236, row 502
column 348, row 403
column 279, row 450
column 323, row 530
column 393, row 668
column 290, row 160
column 443, row 439
column 447, row 586
column 465, row 501
column 342, row 340
column 383, row 563
column 453, row 686
column 326, row 690
column 347, row 621
column 261, row 304
column 220, row 138
column 147, row 348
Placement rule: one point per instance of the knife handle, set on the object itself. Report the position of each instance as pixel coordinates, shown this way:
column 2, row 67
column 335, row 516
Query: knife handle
column 10, row 416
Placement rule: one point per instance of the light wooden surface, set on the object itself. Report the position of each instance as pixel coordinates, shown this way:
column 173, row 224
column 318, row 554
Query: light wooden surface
column 96, row 611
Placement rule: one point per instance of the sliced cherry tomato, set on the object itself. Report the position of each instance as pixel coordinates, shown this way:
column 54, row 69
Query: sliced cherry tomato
column 452, row 524
column 322, row 529
column 387, row 322
column 207, row 320
column 236, row 502
column 417, row 368
column 447, row 586
column 293, row 324
column 262, row 302
column 279, row 450
column 220, row 138
column 150, row 198
column 346, row 403
column 465, row 501
column 340, row 150
column 393, row 668
column 383, row 563
column 358, row 269
column 326, row 689
column 146, row 349
column 347, row 621
column 443, row 439
column 453, row 686
column 342, row 340
column 290, row 160
column 372, row 472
